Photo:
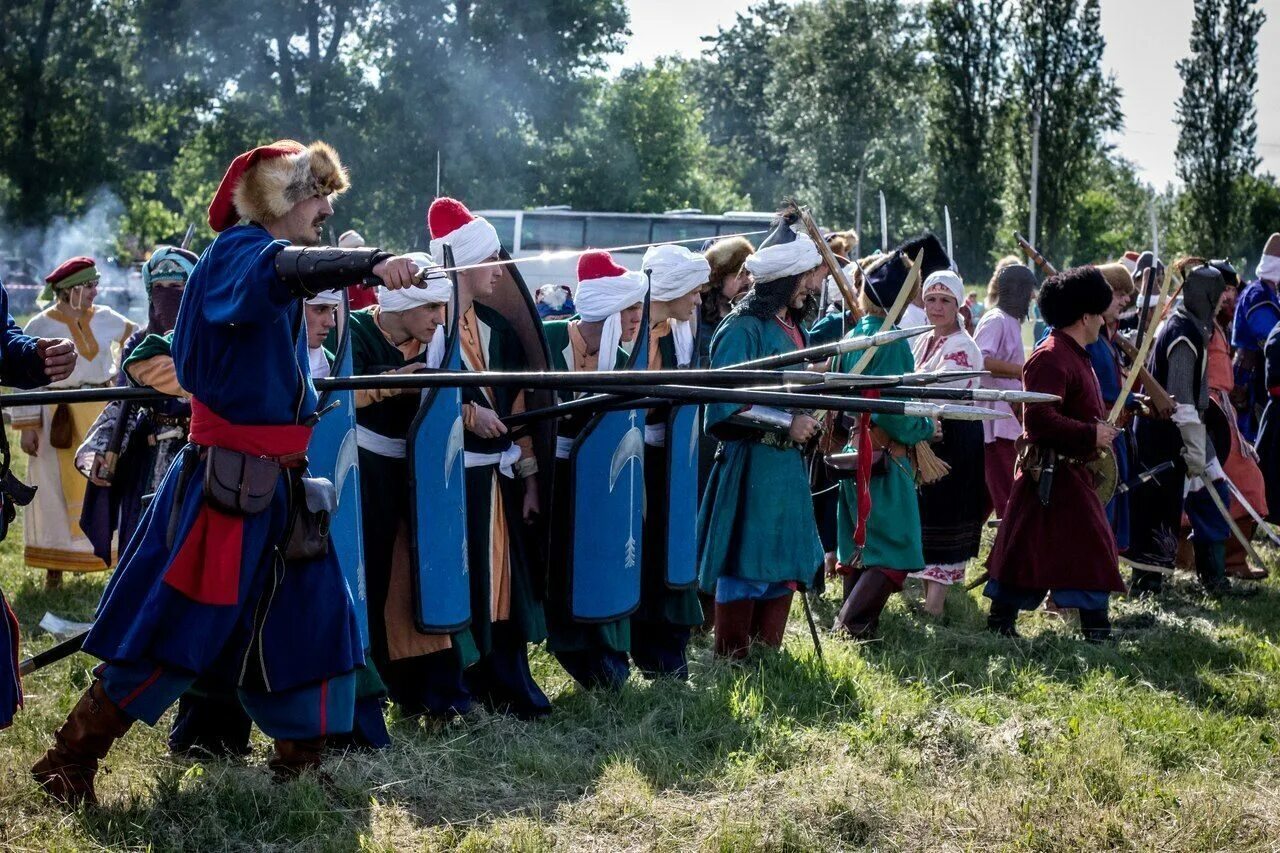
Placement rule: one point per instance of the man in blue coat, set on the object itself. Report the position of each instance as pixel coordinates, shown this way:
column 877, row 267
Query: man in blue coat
column 213, row 585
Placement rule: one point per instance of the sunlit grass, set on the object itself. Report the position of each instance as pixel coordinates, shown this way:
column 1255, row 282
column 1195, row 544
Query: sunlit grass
column 940, row 736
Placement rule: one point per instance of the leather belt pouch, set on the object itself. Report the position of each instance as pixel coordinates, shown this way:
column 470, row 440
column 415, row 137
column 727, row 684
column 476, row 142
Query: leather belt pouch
column 315, row 501
column 238, row 483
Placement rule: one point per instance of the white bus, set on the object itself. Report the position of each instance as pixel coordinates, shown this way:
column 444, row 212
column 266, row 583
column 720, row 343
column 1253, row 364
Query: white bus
column 527, row 234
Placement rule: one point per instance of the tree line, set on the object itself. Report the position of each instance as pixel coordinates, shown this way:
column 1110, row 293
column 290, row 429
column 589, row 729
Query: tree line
column 834, row 101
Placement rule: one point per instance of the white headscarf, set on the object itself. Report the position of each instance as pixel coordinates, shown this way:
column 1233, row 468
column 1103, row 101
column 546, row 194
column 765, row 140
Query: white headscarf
column 603, row 299
column 435, row 288
column 674, row 271
column 1269, row 268
column 326, row 297
column 834, row 296
column 783, row 259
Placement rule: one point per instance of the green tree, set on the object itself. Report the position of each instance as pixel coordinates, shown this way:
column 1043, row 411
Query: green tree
column 1217, row 118
column 64, row 103
column 731, row 80
column 845, row 104
column 1057, row 73
column 639, row 146
column 967, row 42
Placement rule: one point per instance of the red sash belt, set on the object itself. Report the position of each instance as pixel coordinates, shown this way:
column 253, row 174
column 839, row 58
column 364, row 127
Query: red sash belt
column 206, row 567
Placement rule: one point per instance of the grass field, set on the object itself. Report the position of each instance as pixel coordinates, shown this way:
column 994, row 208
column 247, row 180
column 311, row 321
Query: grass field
column 938, row 737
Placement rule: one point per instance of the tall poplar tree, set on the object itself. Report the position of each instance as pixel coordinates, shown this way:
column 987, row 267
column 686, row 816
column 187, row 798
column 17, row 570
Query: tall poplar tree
column 1218, row 123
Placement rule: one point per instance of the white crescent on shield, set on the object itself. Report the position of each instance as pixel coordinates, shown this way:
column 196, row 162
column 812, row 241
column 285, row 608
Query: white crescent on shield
column 452, row 448
column 631, row 447
column 348, row 459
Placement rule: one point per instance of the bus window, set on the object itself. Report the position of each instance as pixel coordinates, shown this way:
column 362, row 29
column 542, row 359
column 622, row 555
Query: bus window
column 549, row 233
column 668, row 230
column 606, row 231
column 745, row 226
column 506, row 228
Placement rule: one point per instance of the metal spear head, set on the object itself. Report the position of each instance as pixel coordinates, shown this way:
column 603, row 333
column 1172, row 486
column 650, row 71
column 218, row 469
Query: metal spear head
column 919, row 379
column 952, row 412
column 995, row 394
column 880, row 339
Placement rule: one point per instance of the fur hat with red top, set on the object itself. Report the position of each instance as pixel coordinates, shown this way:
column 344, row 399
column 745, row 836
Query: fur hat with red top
column 72, row 272
column 265, row 183
column 470, row 238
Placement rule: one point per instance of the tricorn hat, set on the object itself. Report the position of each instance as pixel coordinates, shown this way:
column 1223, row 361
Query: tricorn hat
column 266, row 182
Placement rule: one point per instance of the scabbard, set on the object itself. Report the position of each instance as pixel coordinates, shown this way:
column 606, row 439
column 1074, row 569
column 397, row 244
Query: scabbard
column 1045, row 486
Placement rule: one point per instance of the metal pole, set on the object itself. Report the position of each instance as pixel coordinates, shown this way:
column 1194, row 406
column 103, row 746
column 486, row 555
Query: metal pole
column 1035, row 175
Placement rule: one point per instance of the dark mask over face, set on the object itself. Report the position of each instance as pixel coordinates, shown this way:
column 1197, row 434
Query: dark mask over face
column 1200, row 295
column 162, row 315
column 1015, row 284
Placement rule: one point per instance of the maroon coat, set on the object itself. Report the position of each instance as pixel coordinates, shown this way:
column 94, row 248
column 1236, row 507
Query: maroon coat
column 1068, row 544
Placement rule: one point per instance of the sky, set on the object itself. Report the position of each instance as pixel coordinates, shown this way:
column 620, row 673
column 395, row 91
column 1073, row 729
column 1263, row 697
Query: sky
column 1144, row 39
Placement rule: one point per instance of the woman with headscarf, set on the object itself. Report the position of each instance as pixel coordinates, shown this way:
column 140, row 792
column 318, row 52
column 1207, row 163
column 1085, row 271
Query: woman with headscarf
column 52, row 434
column 951, row 509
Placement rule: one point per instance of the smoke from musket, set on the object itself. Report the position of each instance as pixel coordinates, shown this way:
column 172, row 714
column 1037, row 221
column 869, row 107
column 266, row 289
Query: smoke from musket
column 91, row 233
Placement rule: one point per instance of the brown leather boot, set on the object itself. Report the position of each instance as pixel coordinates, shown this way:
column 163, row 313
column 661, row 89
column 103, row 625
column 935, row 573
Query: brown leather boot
column 67, row 770
column 292, row 757
column 860, row 614
column 769, row 621
column 733, row 628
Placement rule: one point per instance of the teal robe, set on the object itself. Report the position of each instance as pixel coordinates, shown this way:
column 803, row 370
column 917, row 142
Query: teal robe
column 756, row 519
column 893, row 527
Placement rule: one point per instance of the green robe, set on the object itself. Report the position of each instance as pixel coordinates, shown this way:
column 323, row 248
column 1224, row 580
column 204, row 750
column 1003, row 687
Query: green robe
column 564, row 633
column 756, row 520
column 893, row 527
column 385, row 480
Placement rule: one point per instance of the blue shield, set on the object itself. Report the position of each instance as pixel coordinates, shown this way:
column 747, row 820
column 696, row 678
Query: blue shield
column 683, row 441
column 333, row 455
column 438, row 500
column 606, row 471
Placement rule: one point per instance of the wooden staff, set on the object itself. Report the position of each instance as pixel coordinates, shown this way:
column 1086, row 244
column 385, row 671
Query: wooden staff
column 1040, row 260
column 1140, row 356
column 837, row 272
column 895, row 311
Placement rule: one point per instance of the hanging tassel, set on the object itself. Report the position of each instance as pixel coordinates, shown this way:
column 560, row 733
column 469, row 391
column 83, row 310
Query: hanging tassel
column 929, row 468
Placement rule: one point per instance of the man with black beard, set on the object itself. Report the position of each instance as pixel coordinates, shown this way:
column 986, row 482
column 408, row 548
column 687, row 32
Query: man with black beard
column 759, row 539
column 1179, row 360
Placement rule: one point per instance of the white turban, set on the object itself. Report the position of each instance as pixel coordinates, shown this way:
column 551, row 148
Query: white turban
column 326, row 297
column 674, row 271
column 350, row 239
column 947, row 281
column 603, row 300
column 783, row 259
column 435, row 288
column 471, row 243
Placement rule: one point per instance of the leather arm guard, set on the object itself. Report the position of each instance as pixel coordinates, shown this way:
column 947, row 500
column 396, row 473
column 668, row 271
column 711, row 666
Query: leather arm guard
column 309, row 270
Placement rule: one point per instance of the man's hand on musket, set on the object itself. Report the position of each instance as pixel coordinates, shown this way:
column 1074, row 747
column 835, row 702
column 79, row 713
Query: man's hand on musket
column 59, row 356
column 396, row 273
column 486, row 423
column 803, row 428
column 1104, row 434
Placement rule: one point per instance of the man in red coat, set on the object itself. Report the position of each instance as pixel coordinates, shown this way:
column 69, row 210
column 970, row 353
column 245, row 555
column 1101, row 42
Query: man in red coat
column 1054, row 535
